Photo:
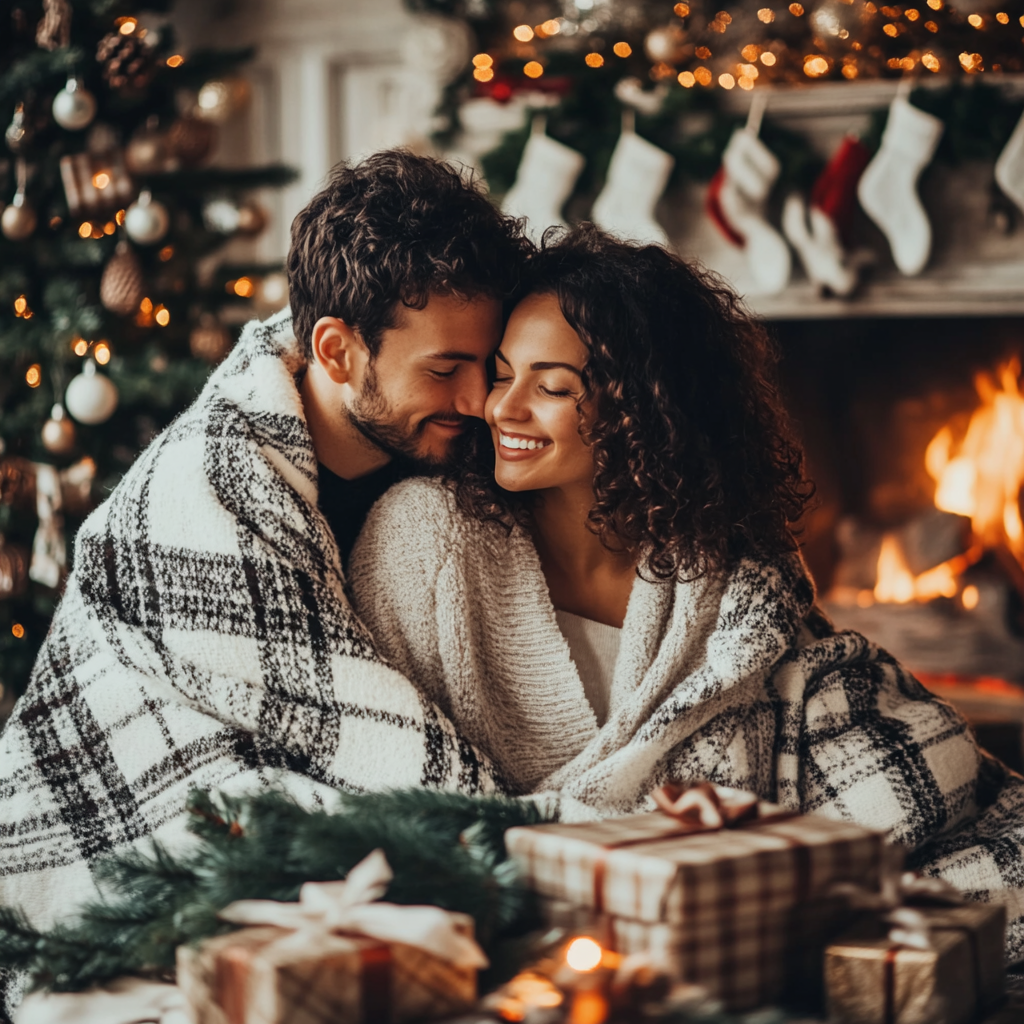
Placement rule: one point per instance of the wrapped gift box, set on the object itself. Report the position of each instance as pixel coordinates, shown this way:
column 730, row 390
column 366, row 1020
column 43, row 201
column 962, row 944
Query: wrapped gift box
column 870, row 979
column 744, row 912
column 266, row 975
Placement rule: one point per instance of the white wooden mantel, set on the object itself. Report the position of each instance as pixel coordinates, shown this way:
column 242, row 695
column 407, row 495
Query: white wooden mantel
column 329, row 83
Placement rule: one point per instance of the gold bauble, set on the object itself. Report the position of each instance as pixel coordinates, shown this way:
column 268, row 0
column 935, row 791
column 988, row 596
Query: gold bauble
column 58, row 432
column 664, row 45
column 122, row 286
column 18, row 220
column 13, row 570
column 252, row 218
column 191, row 140
column 210, row 340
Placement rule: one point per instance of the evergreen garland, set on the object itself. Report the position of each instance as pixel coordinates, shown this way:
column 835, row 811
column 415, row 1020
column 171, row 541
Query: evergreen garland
column 445, row 849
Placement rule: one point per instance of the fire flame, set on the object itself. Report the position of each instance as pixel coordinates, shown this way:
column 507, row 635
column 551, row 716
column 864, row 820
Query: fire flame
column 979, row 477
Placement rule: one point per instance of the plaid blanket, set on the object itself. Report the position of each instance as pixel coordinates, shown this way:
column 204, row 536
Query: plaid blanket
column 205, row 640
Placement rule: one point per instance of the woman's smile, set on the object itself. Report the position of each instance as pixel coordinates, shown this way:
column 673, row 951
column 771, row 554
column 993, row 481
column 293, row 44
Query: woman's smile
column 514, row 447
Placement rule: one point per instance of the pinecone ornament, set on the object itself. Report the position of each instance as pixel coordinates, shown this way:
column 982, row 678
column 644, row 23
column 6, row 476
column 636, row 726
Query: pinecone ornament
column 128, row 63
column 122, row 286
column 191, row 140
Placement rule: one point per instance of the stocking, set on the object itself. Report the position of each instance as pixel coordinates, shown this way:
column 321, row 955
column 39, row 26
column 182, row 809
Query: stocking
column 637, row 176
column 735, row 202
column 888, row 188
column 1010, row 166
column 818, row 234
column 544, row 181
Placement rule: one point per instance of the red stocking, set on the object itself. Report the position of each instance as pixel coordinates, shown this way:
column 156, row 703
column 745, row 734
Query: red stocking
column 835, row 191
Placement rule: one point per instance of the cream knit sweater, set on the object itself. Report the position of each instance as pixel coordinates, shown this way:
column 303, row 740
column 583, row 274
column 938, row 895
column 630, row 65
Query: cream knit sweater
column 739, row 680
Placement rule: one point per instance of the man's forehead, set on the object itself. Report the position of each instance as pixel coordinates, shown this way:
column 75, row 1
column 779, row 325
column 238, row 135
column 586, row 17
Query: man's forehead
column 450, row 326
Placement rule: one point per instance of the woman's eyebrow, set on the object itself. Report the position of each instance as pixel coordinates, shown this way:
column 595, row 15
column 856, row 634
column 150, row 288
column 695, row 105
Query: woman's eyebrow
column 543, row 366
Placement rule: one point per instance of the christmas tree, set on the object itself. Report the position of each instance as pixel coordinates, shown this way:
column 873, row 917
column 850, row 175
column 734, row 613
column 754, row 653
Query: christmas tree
column 113, row 302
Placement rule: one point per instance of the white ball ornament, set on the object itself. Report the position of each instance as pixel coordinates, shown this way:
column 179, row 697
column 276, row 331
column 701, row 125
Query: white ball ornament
column 146, row 220
column 91, row 397
column 74, row 106
column 18, row 220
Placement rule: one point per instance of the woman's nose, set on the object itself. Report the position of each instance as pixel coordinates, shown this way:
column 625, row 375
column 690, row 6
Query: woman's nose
column 510, row 405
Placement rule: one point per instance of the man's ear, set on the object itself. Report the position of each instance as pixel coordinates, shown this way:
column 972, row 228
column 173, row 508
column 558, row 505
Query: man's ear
column 339, row 349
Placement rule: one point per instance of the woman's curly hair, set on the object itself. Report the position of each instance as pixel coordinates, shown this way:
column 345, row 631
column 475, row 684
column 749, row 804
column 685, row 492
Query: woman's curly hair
column 695, row 463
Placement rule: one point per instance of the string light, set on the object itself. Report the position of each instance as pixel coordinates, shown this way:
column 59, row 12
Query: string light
column 594, row 60
column 622, row 49
column 523, row 33
column 162, row 316
column 126, row 26
column 747, row 71
column 583, row 954
column 850, row 71
column 101, row 353
column 931, row 26
column 21, row 308
column 165, row 253
column 891, row 30
column 18, row 630
column 80, row 347
column 1003, row 18
column 702, row 53
column 483, row 60
column 796, row 10
column 930, row 61
column 101, row 179
column 682, row 10
column 745, row 82
column 175, row 60
column 551, row 27
column 686, row 79
column 815, row 66
column 533, row 69
column 767, row 59
column 726, row 81
column 109, row 228
column 975, row 20
column 85, row 229
column 971, row 62
column 119, row 217
column 483, row 74
column 750, row 52
column 703, row 75
column 34, row 375
column 912, row 14
column 766, row 14
column 244, row 287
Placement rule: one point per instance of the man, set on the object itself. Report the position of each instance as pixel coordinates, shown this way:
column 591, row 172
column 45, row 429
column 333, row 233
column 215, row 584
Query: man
column 204, row 639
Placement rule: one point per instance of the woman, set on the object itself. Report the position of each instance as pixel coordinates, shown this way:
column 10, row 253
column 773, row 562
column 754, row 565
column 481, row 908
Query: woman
column 614, row 599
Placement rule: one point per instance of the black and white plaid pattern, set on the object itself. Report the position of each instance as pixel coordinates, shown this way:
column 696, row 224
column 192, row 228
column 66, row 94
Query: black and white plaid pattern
column 205, row 640
column 740, row 912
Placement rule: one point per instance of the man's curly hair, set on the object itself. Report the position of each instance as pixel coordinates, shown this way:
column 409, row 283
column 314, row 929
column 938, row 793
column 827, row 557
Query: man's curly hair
column 390, row 231
column 695, row 463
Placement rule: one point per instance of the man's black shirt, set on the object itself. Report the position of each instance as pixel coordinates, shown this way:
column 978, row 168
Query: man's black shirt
column 346, row 503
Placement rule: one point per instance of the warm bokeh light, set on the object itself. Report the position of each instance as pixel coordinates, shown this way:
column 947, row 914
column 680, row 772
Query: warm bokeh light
column 20, row 305
column 146, row 306
column 702, row 53
column 244, row 287
column 175, row 60
column 483, row 60
column 703, row 75
column 119, row 216
column 80, row 347
column 796, row 10
column 483, row 74
column 18, row 630
column 583, row 954
column 126, row 26
column 55, row 222
column 850, row 71
column 767, row 58
column 594, row 60
column 766, row 14
column 750, row 52
column 971, row 62
column 815, row 66
column 911, row 14
column 745, row 82
column 165, row 253
column 622, row 49
column 930, row 61
column 726, row 81
column 84, row 229
column 34, row 375
column 975, row 21
column 686, row 79
column 931, row 26
column 935, row 5
column 533, row 69
column 101, row 353
column 551, row 27
column 891, row 30
column 747, row 70
column 101, row 179
column 1003, row 18
column 970, row 597
column 523, row 33
column 682, row 10
column 162, row 315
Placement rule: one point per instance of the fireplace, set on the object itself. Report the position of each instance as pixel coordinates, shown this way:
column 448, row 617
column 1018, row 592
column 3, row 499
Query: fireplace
column 914, row 430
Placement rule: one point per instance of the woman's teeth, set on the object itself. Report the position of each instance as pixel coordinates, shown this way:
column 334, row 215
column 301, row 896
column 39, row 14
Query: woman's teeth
column 521, row 442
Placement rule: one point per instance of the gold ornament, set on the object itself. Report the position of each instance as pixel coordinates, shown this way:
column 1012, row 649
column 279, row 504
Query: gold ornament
column 210, row 340
column 74, row 106
column 122, row 286
column 252, row 218
column 146, row 152
column 664, row 45
column 18, row 220
column 58, row 432
column 13, row 569
column 191, row 140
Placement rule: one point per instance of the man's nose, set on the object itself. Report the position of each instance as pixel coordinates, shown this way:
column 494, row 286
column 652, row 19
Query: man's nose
column 471, row 393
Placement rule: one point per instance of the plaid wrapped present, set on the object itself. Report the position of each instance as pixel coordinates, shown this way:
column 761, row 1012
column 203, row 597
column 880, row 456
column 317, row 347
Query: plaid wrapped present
column 744, row 912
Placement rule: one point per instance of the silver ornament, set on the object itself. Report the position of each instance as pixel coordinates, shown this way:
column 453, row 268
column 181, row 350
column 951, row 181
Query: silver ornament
column 74, row 106
column 222, row 216
column 146, row 220
column 91, row 397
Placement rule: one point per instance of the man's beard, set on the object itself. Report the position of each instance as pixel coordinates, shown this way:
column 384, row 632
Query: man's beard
column 374, row 418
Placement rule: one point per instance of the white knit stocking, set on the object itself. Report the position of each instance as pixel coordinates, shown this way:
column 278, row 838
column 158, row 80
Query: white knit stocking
column 544, row 181
column 888, row 187
column 818, row 246
column 637, row 176
column 1010, row 166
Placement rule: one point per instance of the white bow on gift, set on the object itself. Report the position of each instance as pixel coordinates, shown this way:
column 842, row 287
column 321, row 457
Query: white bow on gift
column 351, row 908
column 909, row 927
